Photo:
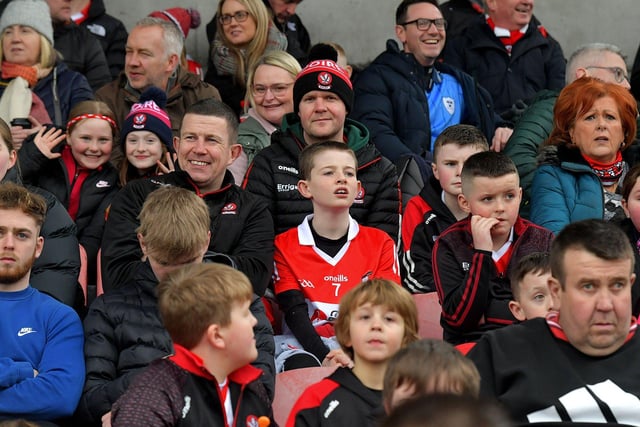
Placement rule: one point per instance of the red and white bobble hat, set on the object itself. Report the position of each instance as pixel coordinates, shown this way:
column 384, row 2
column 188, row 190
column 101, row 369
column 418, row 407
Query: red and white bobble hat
column 324, row 75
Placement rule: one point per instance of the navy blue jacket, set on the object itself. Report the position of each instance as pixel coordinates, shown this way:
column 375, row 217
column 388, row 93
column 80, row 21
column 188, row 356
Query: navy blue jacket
column 536, row 62
column 72, row 87
column 390, row 101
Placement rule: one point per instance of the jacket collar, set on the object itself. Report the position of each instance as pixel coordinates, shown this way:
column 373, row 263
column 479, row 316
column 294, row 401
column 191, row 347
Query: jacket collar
column 194, row 364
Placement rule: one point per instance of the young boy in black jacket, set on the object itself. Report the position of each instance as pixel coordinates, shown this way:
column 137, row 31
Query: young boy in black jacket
column 436, row 207
column 123, row 329
column 208, row 381
column 472, row 259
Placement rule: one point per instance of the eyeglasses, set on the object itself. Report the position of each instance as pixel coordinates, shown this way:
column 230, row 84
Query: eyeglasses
column 277, row 89
column 618, row 73
column 240, row 16
column 424, row 24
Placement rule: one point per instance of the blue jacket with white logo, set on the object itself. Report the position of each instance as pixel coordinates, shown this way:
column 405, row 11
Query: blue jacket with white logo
column 390, row 101
column 38, row 332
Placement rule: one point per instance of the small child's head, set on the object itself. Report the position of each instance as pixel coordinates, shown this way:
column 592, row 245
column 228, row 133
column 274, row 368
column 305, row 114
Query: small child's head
column 146, row 135
column 452, row 148
column 491, row 189
column 631, row 195
column 332, row 51
column 91, row 130
column 328, row 171
column 185, row 241
column 448, row 410
column 376, row 319
column 428, row 367
column 530, row 287
column 8, row 154
column 208, row 305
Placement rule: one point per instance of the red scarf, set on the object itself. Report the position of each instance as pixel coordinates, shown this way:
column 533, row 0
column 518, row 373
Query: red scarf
column 11, row 70
column 609, row 173
column 508, row 42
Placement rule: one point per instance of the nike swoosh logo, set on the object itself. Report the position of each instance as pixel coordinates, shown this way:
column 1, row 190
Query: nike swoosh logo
column 23, row 333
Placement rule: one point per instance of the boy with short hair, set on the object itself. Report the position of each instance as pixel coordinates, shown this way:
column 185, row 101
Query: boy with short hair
column 436, row 208
column 530, row 287
column 428, row 366
column 123, row 329
column 472, row 258
column 324, row 257
column 376, row 319
column 208, row 380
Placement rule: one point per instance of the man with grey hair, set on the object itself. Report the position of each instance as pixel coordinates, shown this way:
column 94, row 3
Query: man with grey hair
column 152, row 58
column 600, row 60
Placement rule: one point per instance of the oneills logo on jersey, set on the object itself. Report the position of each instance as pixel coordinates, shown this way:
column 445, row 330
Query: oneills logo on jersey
column 229, row 209
column 360, row 196
column 466, row 266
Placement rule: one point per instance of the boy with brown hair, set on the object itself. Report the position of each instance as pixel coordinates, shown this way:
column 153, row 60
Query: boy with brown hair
column 436, row 208
column 472, row 259
column 428, row 366
column 377, row 318
column 323, row 258
column 123, row 329
column 530, row 287
column 208, row 380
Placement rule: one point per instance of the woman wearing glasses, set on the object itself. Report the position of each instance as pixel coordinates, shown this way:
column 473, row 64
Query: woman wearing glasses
column 582, row 167
column 269, row 97
column 245, row 32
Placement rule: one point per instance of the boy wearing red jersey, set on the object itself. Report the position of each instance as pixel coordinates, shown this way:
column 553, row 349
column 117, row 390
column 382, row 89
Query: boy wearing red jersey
column 324, row 257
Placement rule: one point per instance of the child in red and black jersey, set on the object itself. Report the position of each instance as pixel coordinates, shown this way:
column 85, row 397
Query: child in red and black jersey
column 324, row 257
column 473, row 258
column 208, row 380
column 376, row 319
column 436, row 208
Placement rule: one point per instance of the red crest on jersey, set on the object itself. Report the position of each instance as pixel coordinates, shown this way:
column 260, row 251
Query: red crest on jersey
column 229, row 209
column 360, row 196
column 252, row 421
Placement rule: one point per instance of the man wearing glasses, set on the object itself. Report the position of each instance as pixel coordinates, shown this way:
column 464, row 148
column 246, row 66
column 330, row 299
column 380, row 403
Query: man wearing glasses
column 407, row 99
column 289, row 24
column 600, row 60
column 510, row 55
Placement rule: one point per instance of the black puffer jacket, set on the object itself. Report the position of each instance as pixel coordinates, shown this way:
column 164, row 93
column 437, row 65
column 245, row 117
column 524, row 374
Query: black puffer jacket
column 124, row 333
column 110, row 32
column 273, row 176
column 82, row 53
column 535, row 63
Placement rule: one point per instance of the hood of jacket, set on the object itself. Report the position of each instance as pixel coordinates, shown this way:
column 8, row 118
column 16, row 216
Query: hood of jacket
column 96, row 9
column 356, row 133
